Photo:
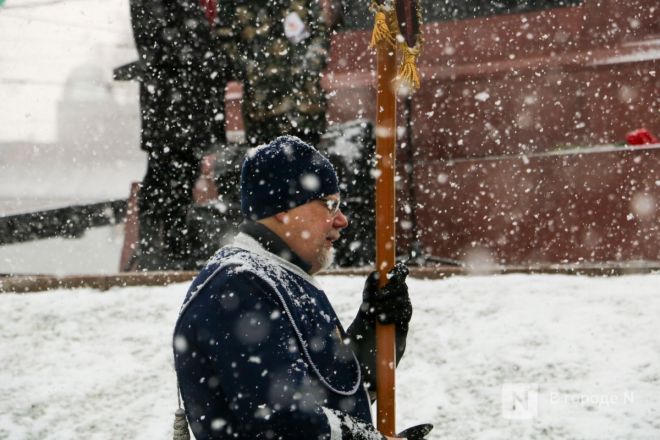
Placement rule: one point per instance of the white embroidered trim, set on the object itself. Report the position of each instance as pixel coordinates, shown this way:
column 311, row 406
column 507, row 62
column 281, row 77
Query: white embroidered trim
column 357, row 428
column 334, row 423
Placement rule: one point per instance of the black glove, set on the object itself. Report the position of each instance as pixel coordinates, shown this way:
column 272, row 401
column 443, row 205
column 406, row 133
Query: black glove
column 418, row 432
column 391, row 304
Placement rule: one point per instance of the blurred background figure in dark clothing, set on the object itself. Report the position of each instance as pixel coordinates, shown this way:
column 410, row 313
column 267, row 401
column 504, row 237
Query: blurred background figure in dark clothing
column 182, row 76
column 279, row 49
column 188, row 51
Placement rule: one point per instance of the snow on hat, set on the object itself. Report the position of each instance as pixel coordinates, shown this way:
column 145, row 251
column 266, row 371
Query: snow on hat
column 282, row 175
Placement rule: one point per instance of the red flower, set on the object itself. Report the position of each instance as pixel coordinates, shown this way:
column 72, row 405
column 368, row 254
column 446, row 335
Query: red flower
column 641, row 136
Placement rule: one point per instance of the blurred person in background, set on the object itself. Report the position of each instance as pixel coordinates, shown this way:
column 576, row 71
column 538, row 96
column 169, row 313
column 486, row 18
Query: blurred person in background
column 183, row 75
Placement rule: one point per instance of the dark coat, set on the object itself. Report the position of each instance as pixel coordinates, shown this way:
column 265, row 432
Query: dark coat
column 259, row 352
column 182, row 74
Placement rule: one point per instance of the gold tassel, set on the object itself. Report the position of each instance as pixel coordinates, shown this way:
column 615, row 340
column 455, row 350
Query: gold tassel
column 180, row 426
column 381, row 32
column 408, row 72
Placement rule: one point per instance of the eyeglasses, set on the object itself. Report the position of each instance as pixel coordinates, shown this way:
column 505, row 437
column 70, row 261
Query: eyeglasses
column 333, row 205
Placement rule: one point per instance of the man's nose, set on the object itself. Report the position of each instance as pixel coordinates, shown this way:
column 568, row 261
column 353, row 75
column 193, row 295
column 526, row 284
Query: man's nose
column 340, row 221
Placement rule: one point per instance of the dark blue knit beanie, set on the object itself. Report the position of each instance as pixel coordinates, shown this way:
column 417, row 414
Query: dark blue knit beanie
column 282, row 175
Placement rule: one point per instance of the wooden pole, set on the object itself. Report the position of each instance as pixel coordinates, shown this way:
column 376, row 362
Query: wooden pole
column 385, row 231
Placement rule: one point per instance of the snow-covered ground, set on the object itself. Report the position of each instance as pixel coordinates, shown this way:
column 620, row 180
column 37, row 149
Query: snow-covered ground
column 98, row 365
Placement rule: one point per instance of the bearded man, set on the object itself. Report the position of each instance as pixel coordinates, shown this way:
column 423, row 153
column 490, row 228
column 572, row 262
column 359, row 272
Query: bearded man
column 259, row 350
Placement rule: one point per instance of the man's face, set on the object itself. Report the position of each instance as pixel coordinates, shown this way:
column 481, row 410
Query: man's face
column 311, row 230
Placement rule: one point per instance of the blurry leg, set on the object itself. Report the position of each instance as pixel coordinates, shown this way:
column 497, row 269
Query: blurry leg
column 150, row 214
column 179, row 241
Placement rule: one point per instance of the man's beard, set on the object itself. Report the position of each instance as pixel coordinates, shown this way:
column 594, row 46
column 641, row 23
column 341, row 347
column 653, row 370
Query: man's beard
column 326, row 258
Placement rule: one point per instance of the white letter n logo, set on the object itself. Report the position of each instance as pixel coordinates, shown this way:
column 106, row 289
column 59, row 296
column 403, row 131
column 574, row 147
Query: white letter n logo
column 520, row 401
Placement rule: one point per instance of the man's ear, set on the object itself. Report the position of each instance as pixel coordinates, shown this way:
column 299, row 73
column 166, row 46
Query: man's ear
column 282, row 217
